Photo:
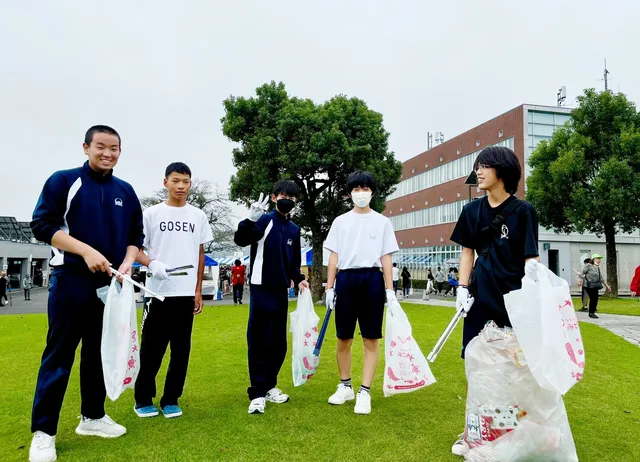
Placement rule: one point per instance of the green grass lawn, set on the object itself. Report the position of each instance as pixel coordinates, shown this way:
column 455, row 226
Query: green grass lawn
column 627, row 306
column 604, row 409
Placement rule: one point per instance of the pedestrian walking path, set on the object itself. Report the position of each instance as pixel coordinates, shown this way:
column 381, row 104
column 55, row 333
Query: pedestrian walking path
column 627, row 327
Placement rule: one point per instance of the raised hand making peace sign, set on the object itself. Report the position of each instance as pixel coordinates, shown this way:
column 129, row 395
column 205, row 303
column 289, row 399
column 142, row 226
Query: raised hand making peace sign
column 259, row 207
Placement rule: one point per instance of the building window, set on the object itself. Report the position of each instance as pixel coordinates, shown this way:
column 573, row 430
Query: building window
column 500, row 133
column 458, row 168
column 478, row 143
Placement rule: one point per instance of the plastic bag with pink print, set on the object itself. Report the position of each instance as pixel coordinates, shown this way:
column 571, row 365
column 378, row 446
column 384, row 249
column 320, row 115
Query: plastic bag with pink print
column 405, row 367
column 119, row 348
column 304, row 330
column 545, row 322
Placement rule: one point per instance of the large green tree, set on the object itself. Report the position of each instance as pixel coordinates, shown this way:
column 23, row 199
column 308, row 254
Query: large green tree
column 587, row 177
column 315, row 145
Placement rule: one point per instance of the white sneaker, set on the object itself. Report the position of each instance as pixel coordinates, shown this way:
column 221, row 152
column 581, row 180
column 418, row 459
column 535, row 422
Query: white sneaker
column 43, row 448
column 460, row 447
column 363, row 403
column 257, row 406
column 275, row 395
column 342, row 395
column 104, row 427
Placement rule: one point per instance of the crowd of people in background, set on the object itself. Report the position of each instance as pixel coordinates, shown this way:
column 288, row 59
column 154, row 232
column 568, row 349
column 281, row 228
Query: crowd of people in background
column 440, row 284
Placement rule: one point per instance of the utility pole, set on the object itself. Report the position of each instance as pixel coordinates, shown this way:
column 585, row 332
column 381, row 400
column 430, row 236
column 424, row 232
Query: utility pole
column 606, row 73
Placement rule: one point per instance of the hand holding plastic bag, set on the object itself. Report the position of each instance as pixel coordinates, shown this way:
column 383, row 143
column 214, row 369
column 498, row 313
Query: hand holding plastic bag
column 304, row 329
column 119, row 348
column 405, row 367
column 545, row 322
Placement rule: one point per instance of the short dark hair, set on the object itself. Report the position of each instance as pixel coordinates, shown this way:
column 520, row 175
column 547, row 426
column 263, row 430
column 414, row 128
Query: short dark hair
column 88, row 137
column 288, row 187
column 361, row 179
column 395, row 264
column 237, row 262
column 506, row 164
column 177, row 167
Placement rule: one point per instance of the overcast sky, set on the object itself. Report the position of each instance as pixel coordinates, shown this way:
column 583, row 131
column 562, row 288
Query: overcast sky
column 157, row 71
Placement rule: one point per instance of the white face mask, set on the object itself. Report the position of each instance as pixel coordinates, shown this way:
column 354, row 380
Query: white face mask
column 361, row 199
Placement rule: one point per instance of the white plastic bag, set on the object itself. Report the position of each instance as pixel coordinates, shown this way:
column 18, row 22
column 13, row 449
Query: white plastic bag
column 509, row 417
column 304, row 330
column 119, row 348
column 545, row 322
column 405, row 367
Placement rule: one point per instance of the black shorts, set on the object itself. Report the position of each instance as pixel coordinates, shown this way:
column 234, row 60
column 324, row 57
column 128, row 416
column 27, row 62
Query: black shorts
column 360, row 297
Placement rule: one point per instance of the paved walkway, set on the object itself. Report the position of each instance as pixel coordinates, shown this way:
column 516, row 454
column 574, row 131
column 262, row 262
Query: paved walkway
column 627, row 327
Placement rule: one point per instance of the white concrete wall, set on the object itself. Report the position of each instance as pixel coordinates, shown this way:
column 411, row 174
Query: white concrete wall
column 12, row 251
column 572, row 247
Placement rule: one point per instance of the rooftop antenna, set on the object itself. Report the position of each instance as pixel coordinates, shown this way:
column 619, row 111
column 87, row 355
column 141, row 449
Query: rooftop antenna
column 562, row 96
column 606, row 76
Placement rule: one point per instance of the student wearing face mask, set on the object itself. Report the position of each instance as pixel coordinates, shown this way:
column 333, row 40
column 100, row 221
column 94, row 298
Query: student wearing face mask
column 361, row 243
column 275, row 262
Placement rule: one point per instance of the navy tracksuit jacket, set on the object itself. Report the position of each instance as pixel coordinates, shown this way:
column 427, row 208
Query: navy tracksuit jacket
column 275, row 262
column 103, row 212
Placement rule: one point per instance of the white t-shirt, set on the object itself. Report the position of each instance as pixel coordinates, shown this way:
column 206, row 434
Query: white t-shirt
column 173, row 236
column 396, row 273
column 361, row 239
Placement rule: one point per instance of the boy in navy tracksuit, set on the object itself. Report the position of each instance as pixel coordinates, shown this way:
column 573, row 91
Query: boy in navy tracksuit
column 93, row 221
column 275, row 262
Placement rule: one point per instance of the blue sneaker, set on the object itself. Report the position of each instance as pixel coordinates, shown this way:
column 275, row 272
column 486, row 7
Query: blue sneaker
column 146, row 411
column 172, row 410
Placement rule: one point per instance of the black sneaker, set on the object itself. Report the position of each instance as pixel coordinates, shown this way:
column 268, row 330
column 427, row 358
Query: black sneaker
column 593, row 316
column 583, row 309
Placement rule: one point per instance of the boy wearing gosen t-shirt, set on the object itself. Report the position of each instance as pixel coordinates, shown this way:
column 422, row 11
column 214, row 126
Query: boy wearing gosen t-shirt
column 361, row 243
column 175, row 234
column 507, row 248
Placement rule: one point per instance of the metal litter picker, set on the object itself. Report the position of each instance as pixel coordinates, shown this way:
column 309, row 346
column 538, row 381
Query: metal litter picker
column 461, row 313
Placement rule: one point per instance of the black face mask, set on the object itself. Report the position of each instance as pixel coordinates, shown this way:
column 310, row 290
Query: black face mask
column 285, row 205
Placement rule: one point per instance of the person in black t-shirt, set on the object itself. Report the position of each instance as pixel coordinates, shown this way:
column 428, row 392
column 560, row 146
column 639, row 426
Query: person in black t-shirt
column 507, row 249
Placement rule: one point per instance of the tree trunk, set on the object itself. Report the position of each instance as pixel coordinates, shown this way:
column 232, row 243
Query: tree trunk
column 612, row 258
column 317, row 268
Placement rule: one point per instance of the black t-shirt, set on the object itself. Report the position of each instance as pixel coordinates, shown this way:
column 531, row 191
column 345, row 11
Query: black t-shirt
column 3, row 284
column 501, row 269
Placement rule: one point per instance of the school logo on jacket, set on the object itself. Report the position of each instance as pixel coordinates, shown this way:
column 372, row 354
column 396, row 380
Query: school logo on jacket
column 290, row 241
column 118, row 202
column 504, row 232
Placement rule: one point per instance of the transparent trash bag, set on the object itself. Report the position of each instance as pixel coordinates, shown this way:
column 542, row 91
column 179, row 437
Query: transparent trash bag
column 509, row 417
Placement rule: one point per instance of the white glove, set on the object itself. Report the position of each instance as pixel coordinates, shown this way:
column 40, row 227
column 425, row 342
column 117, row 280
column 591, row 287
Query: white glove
column 158, row 270
column 258, row 208
column 531, row 270
column 391, row 297
column 330, row 296
column 464, row 300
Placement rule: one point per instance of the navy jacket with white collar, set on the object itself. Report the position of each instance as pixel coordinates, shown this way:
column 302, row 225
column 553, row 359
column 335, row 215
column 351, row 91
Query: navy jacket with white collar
column 275, row 249
column 98, row 209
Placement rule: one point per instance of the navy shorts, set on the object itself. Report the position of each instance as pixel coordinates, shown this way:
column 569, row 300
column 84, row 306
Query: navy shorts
column 360, row 297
